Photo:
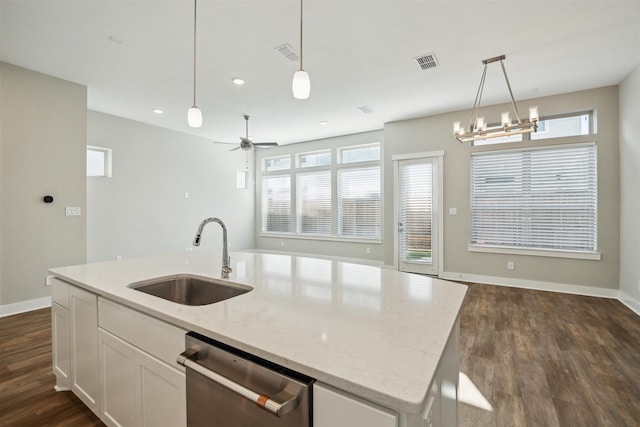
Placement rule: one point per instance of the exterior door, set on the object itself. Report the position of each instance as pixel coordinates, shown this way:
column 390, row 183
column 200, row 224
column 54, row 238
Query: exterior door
column 417, row 225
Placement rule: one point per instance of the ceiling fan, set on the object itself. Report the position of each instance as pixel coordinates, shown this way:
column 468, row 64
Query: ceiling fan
column 247, row 144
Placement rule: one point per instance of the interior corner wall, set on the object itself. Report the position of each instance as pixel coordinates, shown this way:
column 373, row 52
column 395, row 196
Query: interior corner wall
column 434, row 134
column 43, row 146
column 629, row 181
column 164, row 184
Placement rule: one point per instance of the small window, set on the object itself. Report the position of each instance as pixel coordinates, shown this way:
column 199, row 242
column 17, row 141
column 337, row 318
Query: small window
column 360, row 153
column 277, row 163
column 318, row 158
column 98, row 161
column 563, row 126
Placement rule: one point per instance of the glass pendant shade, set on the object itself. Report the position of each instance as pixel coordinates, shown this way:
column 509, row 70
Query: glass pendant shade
column 194, row 117
column 301, row 85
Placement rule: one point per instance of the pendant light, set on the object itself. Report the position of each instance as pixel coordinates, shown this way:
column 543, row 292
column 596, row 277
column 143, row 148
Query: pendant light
column 301, row 83
column 194, row 115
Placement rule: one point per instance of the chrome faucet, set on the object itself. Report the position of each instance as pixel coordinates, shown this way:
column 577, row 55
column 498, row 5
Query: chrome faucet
column 226, row 260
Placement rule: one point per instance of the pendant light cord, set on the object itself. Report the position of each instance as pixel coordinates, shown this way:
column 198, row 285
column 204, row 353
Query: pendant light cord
column 195, row 14
column 301, row 35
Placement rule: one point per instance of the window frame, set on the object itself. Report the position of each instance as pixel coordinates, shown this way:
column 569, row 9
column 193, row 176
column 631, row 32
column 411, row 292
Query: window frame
column 334, row 167
column 527, row 145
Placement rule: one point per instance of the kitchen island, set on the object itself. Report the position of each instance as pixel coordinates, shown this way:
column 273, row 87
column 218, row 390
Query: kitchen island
column 381, row 337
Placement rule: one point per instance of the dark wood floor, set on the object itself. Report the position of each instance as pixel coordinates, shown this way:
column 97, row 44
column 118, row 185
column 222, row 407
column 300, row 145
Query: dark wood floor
column 550, row 359
column 27, row 397
column 537, row 359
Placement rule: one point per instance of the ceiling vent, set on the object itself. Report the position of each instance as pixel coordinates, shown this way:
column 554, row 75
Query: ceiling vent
column 427, row 62
column 288, row 52
column 365, row 109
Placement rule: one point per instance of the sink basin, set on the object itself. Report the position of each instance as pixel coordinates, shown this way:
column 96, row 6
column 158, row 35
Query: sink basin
column 188, row 289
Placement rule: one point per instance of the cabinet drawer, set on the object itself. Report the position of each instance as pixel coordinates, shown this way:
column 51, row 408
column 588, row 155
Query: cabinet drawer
column 154, row 336
column 60, row 292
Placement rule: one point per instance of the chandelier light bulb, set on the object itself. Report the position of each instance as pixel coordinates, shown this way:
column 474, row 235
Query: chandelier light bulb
column 506, row 120
column 456, row 127
column 533, row 114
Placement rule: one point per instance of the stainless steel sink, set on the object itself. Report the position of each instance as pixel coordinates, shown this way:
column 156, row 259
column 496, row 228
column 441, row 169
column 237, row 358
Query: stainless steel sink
column 189, row 289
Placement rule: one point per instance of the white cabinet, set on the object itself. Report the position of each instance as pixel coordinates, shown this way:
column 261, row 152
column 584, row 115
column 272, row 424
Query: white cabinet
column 60, row 335
column 83, row 311
column 332, row 408
column 136, row 388
column 61, row 356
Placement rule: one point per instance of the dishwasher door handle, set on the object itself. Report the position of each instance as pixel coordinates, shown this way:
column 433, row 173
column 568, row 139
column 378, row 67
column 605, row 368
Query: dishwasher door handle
column 188, row 360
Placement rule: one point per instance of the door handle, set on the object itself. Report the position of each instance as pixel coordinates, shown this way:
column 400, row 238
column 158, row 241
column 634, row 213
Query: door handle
column 188, row 359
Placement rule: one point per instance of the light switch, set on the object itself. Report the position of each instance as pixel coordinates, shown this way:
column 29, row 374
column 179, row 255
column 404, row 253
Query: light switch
column 453, row 211
column 73, row 211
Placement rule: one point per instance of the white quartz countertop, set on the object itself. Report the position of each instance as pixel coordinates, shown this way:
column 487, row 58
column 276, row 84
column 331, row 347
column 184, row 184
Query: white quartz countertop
column 371, row 331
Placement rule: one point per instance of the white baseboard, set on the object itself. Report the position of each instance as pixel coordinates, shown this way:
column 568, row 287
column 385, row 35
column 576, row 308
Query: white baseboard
column 21, row 307
column 629, row 301
column 533, row 284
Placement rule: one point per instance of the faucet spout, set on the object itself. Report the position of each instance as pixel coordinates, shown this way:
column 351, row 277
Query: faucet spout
column 226, row 260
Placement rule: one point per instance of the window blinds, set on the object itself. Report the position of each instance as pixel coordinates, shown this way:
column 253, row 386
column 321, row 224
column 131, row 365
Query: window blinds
column 276, row 204
column 416, row 192
column 541, row 198
column 359, row 212
column 314, row 203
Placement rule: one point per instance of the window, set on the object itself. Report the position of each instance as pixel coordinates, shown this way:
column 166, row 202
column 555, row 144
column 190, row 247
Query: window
column 277, row 163
column 276, row 204
column 331, row 200
column 98, row 161
column 359, row 202
column 314, row 203
column 536, row 198
column 550, row 127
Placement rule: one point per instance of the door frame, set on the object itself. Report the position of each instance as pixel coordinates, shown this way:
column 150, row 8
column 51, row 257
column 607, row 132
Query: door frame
column 438, row 187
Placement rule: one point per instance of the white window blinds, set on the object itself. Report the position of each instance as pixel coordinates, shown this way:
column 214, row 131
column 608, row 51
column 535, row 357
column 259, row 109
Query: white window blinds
column 359, row 202
column 314, row 203
column 276, row 204
column 416, row 193
column 541, row 198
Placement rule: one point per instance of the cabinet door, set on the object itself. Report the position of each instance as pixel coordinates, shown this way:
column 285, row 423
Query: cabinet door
column 61, row 347
column 163, row 393
column 83, row 309
column 118, row 381
column 332, row 408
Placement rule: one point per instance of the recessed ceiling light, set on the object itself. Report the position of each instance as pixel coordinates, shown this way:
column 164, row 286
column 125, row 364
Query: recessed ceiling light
column 238, row 81
column 157, row 111
column 324, row 123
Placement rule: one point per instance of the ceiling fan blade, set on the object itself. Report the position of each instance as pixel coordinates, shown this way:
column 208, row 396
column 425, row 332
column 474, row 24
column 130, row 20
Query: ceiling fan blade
column 226, row 143
column 266, row 144
column 234, row 149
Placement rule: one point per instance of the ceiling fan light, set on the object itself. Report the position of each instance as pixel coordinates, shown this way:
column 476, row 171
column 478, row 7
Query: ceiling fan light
column 194, row 117
column 301, row 85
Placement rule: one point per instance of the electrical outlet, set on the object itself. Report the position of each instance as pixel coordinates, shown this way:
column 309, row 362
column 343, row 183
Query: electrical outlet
column 118, row 257
column 368, row 251
column 47, row 280
column 510, row 265
column 281, row 244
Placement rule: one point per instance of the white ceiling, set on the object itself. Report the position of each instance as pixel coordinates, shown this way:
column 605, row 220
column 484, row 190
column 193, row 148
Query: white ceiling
column 137, row 55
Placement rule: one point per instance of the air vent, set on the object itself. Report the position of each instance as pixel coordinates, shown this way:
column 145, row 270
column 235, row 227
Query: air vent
column 287, row 51
column 427, row 62
column 365, row 109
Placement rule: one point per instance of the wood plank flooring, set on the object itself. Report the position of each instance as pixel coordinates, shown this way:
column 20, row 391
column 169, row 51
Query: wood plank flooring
column 537, row 358
column 27, row 397
column 549, row 359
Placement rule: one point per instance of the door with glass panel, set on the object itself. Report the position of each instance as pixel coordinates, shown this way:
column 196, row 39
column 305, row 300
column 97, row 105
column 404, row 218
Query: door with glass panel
column 416, row 213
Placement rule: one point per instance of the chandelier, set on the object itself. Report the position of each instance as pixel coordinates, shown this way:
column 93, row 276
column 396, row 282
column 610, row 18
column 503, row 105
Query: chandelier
column 478, row 128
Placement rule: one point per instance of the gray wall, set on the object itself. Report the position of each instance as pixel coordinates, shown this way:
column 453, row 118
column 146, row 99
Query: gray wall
column 435, row 133
column 341, row 248
column 142, row 209
column 629, row 181
column 43, row 152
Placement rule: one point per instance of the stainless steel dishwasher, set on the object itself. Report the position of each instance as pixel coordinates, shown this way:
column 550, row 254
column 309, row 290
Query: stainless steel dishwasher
column 227, row 387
